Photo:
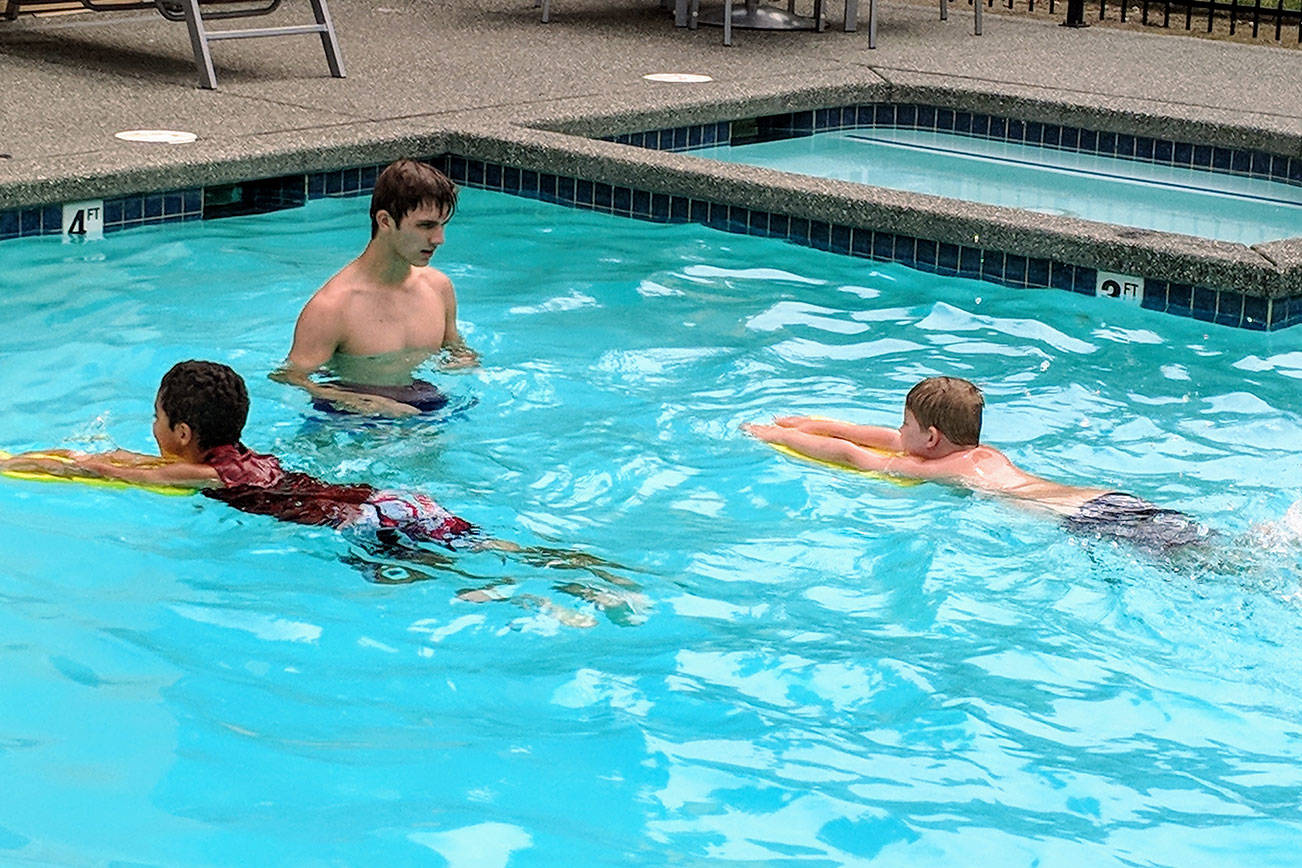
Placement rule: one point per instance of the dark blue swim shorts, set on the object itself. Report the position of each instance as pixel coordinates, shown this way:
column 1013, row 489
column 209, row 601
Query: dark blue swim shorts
column 422, row 395
column 1125, row 517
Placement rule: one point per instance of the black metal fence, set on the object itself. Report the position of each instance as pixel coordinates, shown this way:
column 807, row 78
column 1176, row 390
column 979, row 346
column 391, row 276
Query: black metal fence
column 1270, row 19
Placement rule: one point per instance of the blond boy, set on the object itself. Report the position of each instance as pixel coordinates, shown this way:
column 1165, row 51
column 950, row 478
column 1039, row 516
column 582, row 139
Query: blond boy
column 940, row 441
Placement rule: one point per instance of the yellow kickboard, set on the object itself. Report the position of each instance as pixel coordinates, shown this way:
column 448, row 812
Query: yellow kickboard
column 87, row 480
column 872, row 474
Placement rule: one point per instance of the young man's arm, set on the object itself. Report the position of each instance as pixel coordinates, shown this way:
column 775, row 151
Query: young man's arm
column 316, row 338
column 872, row 436
column 456, row 353
column 839, row 451
column 355, row 402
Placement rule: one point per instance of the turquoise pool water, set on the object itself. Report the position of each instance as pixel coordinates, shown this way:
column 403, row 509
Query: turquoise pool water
column 1106, row 189
column 821, row 669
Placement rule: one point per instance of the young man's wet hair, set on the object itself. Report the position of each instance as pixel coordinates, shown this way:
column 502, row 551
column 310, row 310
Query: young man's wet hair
column 209, row 397
column 406, row 185
column 949, row 404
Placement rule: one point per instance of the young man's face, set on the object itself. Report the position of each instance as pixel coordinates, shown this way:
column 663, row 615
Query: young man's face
column 418, row 234
column 169, row 444
column 914, row 440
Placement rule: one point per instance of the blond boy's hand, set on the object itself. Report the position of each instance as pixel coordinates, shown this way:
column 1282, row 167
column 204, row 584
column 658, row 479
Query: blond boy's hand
column 806, row 424
column 767, row 433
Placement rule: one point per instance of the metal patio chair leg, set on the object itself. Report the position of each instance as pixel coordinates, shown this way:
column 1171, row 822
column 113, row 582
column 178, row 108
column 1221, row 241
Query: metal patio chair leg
column 199, row 44
column 328, row 41
column 201, row 36
column 976, row 15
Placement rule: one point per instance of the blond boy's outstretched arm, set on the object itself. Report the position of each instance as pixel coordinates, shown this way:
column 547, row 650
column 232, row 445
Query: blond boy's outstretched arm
column 837, row 451
column 872, row 436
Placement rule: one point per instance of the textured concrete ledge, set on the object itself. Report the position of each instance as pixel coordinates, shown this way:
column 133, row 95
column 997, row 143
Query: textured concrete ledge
column 1276, row 133
column 1286, row 256
column 1160, row 255
column 1272, row 133
column 148, row 168
column 1271, row 270
column 485, row 80
column 706, row 103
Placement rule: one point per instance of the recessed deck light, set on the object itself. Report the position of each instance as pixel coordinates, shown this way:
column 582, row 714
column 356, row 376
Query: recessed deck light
column 678, row 77
column 158, row 137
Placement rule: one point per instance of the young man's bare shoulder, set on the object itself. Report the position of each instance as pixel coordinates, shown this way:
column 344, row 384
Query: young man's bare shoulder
column 337, row 292
column 433, row 280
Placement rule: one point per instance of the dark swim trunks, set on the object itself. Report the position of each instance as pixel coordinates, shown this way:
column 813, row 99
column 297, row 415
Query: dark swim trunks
column 422, row 395
column 1125, row 517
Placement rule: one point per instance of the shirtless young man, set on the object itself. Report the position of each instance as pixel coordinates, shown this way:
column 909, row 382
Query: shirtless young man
column 387, row 312
column 940, row 441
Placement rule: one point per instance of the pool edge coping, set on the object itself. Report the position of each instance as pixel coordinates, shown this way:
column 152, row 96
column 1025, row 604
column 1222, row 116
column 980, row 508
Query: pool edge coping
column 559, row 138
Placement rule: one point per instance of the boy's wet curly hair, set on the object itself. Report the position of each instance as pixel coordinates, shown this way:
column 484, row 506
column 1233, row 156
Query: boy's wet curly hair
column 209, row 397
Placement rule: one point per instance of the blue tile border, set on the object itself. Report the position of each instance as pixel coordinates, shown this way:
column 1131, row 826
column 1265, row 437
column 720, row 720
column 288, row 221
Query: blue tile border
column 25, row 222
column 1145, row 149
column 342, row 182
column 122, row 212
column 1224, row 307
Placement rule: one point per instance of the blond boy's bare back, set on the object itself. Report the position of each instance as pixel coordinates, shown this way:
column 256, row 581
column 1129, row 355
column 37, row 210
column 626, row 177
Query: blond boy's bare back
column 986, row 469
column 883, row 450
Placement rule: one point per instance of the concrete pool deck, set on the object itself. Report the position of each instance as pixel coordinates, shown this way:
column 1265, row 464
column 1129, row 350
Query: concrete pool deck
column 485, row 79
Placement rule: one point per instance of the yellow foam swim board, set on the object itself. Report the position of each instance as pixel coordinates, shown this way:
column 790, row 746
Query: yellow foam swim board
column 37, row 476
column 872, row 474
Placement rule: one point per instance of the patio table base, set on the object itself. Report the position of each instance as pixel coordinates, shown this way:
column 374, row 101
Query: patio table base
column 756, row 17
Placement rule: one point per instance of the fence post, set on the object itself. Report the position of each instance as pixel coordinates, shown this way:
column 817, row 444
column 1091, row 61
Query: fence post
column 1075, row 14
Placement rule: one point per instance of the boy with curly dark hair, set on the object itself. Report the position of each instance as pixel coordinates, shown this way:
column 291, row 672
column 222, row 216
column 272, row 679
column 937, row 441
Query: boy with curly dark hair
column 199, row 416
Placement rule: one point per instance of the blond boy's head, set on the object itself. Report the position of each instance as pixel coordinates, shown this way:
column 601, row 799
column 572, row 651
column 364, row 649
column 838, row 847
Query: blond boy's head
column 951, row 405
